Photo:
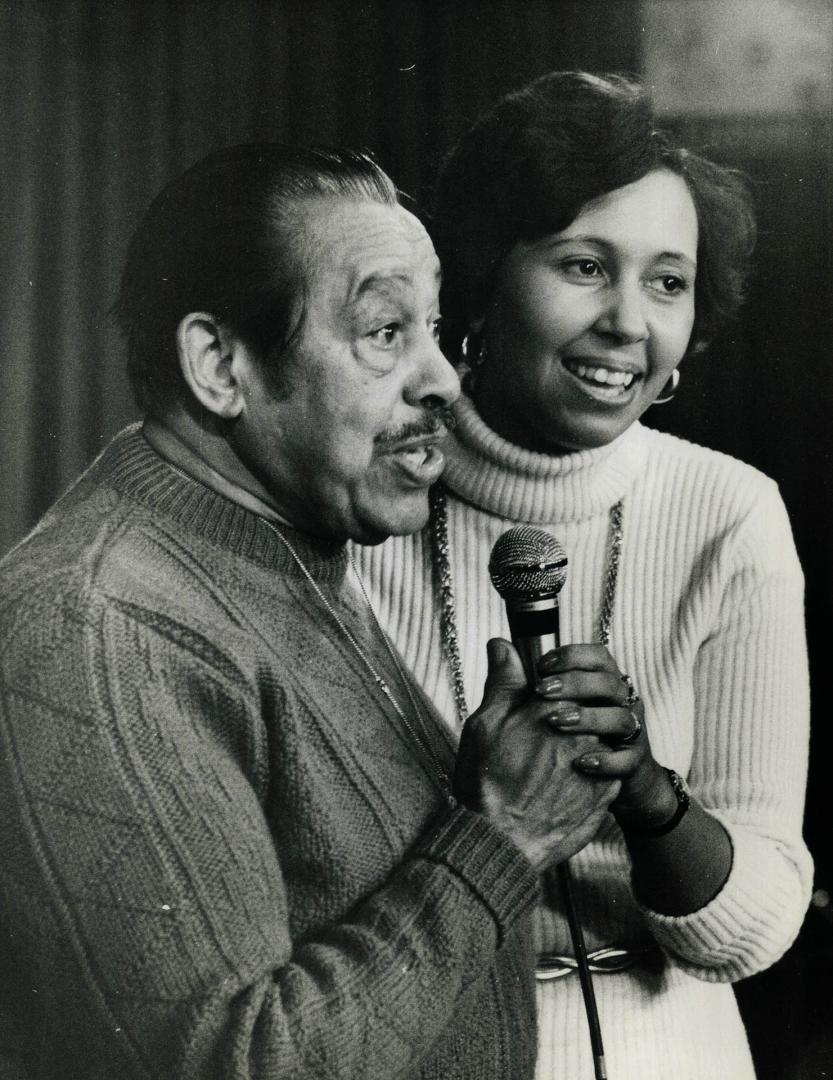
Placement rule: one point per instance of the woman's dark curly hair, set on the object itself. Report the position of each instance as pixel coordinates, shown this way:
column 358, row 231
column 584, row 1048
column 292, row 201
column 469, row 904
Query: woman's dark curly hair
column 528, row 167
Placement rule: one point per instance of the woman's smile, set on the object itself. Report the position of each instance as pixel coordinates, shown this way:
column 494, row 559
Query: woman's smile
column 601, row 382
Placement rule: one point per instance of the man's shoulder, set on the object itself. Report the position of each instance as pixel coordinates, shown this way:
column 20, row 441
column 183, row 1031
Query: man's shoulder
column 96, row 553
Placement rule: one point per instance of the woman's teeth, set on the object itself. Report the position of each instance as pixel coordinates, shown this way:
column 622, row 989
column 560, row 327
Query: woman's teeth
column 601, row 375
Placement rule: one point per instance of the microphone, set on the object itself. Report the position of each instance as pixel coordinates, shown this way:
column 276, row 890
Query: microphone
column 528, row 568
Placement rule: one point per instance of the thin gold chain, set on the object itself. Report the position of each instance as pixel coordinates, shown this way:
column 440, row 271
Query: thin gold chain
column 444, row 585
column 423, row 742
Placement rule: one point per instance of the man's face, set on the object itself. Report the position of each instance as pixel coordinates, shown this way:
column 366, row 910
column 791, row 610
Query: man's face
column 349, row 447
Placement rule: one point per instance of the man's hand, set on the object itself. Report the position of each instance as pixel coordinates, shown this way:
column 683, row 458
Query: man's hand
column 515, row 769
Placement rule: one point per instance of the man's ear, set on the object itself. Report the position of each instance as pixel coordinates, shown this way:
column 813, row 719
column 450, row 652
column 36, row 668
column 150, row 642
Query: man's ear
column 206, row 358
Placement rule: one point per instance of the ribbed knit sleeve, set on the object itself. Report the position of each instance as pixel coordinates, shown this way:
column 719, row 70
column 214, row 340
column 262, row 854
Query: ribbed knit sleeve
column 749, row 760
column 469, row 845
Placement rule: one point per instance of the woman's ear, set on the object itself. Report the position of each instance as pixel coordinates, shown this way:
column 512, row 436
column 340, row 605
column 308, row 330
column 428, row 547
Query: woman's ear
column 206, row 358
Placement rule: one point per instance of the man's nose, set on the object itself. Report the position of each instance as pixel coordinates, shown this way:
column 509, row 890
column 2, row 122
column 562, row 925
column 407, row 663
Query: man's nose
column 434, row 381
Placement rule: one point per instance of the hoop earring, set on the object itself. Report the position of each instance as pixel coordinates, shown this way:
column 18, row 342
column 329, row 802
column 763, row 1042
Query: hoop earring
column 473, row 360
column 670, row 389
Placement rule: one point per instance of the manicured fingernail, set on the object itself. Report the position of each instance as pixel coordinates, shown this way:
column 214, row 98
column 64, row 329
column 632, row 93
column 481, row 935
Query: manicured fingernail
column 550, row 686
column 549, row 660
column 567, row 717
column 589, row 762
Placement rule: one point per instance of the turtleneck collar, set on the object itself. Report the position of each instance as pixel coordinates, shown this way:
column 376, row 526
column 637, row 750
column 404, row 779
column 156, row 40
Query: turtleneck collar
column 521, row 485
column 132, row 467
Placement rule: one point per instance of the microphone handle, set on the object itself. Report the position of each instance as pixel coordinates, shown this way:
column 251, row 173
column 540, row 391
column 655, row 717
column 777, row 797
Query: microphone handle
column 535, row 629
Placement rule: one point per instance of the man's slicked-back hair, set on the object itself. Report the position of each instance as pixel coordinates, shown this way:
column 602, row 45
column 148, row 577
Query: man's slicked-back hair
column 226, row 238
column 531, row 163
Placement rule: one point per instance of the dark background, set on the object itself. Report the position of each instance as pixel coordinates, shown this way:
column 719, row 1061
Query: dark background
column 104, row 100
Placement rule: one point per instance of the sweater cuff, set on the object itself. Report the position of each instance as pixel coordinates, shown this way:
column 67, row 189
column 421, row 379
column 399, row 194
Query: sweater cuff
column 490, row 864
column 750, row 923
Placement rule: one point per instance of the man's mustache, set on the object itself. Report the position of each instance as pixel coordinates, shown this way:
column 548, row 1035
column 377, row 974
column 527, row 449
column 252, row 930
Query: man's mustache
column 432, row 422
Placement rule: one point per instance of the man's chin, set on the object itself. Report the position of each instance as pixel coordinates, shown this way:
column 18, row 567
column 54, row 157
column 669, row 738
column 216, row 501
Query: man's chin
column 401, row 517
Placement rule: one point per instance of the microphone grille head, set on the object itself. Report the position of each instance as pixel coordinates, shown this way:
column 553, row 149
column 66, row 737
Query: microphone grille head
column 527, row 564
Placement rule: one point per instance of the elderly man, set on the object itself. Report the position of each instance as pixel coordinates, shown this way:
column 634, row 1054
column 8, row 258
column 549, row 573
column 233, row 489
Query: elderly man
column 234, row 841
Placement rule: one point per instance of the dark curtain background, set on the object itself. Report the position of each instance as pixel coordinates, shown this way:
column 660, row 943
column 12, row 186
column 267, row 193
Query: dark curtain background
column 104, row 100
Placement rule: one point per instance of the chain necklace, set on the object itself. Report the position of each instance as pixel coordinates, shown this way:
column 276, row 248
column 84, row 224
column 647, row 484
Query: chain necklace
column 444, row 584
column 421, row 738
column 612, row 574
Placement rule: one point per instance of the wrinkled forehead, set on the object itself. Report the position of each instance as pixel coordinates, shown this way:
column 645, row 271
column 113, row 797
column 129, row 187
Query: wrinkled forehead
column 356, row 247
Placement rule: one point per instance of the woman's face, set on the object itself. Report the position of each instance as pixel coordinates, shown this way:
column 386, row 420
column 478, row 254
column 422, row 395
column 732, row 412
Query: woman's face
column 585, row 326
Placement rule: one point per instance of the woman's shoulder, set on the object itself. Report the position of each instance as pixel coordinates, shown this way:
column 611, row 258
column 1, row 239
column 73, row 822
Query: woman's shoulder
column 705, row 484
column 707, row 499
column 672, row 453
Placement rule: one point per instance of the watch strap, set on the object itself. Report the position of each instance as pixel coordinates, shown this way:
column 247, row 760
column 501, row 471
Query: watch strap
column 683, row 802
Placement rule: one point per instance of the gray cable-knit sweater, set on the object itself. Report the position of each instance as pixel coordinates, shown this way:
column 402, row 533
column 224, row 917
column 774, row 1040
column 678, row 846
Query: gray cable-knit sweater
column 221, row 855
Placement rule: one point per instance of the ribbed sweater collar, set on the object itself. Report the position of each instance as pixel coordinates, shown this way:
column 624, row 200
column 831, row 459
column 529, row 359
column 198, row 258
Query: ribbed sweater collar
column 135, row 470
column 521, row 485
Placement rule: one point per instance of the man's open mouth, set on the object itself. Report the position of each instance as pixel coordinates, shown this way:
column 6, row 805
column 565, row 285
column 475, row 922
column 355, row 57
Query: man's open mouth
column 421, row 460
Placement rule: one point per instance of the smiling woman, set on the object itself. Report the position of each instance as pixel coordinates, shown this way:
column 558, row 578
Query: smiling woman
column 586, row 327
column 585, row 257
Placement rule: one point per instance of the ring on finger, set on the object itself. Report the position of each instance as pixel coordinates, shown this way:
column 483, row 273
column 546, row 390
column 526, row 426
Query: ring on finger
column 633, row 735
column 632, row 697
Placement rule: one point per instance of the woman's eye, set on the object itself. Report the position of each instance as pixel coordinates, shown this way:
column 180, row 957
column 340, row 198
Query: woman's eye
column 435, row 327
column 582, row 268
column 670, row 284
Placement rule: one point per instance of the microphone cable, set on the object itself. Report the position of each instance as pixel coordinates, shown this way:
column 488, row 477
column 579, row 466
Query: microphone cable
column 565, row 880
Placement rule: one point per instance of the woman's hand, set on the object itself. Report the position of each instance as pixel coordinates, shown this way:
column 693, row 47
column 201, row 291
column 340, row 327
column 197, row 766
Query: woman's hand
column 678, row 871
column 592, row 697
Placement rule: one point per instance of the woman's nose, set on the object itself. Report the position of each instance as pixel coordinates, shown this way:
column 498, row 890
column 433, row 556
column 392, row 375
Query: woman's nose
column 624, row 314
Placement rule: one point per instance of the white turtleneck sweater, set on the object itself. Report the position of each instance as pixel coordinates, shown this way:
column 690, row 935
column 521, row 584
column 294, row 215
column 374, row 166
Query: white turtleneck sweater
column 708, row 621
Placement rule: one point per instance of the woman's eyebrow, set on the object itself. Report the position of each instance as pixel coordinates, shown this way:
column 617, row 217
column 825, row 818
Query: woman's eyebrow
column 606, row 245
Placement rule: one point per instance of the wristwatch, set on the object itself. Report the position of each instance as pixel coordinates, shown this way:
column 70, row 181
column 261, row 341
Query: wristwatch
column 683, row 802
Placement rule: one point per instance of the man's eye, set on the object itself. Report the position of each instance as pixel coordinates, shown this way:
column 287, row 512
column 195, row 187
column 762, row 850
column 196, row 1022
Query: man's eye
column 385, row 336
column 435, row 327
